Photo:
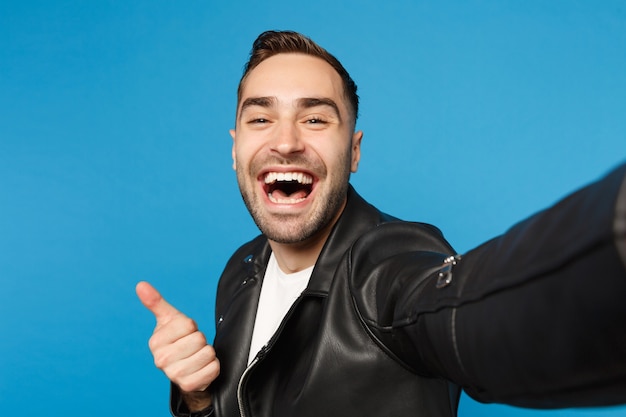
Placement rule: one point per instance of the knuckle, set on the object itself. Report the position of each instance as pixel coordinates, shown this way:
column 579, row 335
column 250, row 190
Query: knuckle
column 199, row 338
column 208, row 352
column 153, row 343
column 213, row 370
column 160, row 360
column 189, row 325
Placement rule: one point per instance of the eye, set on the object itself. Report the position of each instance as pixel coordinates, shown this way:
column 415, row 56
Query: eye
column 258, row 121
column 315, row 120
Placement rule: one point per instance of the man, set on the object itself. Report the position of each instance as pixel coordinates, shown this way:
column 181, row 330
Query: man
column 339, row 309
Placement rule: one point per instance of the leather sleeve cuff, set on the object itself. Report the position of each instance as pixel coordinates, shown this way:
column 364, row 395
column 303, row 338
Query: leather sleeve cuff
column 207, row 412
column 178, row 408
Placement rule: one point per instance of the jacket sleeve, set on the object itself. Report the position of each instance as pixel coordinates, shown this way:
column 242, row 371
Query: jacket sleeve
column 537, row 316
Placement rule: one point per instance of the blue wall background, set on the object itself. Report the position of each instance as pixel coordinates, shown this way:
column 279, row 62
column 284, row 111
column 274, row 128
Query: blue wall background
column 115, row 157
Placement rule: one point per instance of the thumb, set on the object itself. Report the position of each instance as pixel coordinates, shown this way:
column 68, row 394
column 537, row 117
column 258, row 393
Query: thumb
column 153, row 301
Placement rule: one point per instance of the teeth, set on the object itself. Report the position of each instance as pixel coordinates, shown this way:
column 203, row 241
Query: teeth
column 300, row 177
column 284, row 200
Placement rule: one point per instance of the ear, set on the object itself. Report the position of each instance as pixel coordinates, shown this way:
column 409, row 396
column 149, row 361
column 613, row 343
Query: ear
column 234, row 154
column 356, row 150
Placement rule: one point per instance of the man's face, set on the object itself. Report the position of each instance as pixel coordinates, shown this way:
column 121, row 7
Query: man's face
column 294, row 146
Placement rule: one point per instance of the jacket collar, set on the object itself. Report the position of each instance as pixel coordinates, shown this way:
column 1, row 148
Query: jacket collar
column 358, row 216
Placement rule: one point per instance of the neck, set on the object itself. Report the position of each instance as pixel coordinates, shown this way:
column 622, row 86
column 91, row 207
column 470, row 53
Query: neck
column 294, row 257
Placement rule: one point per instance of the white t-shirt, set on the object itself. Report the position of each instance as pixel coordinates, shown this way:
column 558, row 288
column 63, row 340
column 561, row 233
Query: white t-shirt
column 278, row 293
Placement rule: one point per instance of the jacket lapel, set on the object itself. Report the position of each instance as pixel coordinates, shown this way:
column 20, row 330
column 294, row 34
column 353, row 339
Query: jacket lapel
column 358, row 217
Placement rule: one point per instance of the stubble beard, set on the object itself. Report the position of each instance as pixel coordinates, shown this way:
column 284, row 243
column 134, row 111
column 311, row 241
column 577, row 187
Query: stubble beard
column 288, row 229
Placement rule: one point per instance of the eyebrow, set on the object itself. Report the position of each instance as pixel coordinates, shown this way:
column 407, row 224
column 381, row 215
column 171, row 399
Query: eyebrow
column 304, row 103
column 309, row 102
column 257, row 101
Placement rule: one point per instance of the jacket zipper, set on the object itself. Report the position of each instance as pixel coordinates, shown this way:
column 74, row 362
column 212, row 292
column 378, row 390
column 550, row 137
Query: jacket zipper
column 240, row 398
column 262, row 352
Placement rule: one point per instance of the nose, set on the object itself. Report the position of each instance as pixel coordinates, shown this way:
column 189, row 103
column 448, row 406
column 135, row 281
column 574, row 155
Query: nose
column 287, row 139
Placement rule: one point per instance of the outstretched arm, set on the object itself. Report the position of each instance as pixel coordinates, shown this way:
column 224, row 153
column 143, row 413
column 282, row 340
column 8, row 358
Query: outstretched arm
column 537, row 316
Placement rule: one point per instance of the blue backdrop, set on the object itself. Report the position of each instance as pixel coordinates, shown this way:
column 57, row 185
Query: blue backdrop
column 115, row 157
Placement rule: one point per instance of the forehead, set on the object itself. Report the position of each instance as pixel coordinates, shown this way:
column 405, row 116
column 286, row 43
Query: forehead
column 291, row 76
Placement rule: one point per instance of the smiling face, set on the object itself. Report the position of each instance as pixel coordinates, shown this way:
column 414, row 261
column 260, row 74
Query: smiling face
column 294, row 147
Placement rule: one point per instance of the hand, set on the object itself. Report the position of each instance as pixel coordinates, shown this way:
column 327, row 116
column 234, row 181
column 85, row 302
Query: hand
column 180, row 350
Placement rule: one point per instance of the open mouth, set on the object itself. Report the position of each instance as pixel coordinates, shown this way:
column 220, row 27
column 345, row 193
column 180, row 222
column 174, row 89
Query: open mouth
column 288, row 187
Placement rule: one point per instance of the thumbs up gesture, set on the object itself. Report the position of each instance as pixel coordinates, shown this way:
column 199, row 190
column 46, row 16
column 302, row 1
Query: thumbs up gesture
column 180, row 350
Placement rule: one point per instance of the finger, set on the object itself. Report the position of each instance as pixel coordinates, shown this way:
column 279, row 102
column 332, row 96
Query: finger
column 153, row 301
column 202, row 379
column 192, row 344
column 177, row 340
column 196, row 372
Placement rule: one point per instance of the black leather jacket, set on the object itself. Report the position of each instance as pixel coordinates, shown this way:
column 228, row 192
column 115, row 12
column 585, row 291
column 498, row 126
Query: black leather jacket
column 391, row 325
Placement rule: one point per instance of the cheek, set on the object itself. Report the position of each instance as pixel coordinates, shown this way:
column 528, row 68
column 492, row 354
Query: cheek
column 338, row 162
column 241, row 153
column 245, row 156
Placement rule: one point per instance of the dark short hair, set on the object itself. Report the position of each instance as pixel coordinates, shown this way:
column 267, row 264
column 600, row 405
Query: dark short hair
column 271, row 43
